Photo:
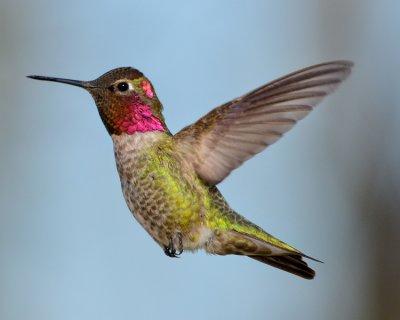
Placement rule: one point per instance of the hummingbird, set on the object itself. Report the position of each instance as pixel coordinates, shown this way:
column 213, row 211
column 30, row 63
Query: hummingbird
column 169, row 181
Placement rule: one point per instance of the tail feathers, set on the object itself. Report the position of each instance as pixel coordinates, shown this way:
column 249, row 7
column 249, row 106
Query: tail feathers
column 292, row 263
column 265, row 248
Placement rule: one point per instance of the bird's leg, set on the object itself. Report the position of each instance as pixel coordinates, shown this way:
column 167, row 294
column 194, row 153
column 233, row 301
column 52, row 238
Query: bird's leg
column 174, row 247
column 179, row 245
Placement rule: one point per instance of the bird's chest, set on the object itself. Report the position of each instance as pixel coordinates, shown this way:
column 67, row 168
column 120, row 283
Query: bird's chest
column 156, row 190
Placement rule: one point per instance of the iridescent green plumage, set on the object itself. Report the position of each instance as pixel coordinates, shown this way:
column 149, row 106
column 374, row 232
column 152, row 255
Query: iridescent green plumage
column 168, row 198
column 160, row 186
column 169, row 181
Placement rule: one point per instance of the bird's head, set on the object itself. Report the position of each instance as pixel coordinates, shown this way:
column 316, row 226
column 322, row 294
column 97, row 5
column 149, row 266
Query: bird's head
column 125, row 98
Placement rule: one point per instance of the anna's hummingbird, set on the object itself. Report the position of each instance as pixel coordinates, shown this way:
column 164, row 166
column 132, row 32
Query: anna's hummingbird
column 169, row 180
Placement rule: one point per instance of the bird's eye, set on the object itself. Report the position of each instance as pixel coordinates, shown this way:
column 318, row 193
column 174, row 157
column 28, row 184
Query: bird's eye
column 122, row 86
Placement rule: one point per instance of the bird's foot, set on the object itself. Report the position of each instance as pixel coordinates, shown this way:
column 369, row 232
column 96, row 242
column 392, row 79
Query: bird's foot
column 175, row 248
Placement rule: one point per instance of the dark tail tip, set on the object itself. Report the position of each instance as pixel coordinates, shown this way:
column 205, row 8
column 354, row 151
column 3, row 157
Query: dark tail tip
column 292, row 263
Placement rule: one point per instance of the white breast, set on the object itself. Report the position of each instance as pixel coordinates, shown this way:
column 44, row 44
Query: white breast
column 137, row 141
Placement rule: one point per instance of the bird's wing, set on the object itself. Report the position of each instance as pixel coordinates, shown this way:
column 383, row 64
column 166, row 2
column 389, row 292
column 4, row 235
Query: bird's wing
column 230, row 134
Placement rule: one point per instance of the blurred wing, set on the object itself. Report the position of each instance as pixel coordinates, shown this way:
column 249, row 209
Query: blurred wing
column 232, row 133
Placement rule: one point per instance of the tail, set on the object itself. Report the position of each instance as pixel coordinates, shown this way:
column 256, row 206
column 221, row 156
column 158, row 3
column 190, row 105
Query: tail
column 264, row 248
column 292, row 263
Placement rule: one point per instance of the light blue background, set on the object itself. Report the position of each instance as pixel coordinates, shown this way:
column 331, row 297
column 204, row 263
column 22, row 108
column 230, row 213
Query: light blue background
column 69, row 248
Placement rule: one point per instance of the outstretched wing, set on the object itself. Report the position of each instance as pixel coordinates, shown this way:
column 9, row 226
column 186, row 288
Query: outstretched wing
column 230, row 134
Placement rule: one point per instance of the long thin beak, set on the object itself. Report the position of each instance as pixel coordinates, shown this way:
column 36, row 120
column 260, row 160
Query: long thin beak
column 77, row 83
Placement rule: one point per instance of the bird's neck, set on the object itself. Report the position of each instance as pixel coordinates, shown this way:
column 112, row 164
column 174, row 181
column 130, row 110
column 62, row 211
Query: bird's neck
column 128, row 146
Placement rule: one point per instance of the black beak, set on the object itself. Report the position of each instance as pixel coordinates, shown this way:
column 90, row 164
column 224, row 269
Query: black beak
column 77, row 83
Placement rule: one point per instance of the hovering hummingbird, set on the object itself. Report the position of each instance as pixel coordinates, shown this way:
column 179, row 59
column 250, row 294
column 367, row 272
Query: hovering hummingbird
column 169, row 181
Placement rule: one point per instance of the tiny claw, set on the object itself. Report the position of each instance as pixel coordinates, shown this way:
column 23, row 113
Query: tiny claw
column 170, row 249
column 170, row 252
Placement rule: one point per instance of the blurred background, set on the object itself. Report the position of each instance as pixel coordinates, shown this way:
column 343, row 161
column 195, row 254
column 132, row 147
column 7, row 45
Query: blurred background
column 70, row 249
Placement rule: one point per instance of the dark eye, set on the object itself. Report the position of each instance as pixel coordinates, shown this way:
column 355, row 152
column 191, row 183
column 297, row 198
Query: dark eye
column 123, row 86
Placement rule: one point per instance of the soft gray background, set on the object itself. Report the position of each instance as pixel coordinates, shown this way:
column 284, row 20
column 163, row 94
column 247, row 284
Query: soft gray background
column 69, row 248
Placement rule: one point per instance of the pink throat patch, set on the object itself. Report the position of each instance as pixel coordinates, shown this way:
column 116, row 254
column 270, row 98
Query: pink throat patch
column 139, row 119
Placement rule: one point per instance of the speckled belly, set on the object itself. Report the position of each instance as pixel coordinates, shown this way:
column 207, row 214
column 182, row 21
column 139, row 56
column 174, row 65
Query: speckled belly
column 164, row 200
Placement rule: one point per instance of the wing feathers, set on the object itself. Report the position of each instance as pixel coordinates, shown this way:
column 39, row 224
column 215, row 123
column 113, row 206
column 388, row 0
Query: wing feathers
column 228, row 135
